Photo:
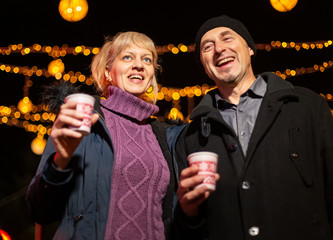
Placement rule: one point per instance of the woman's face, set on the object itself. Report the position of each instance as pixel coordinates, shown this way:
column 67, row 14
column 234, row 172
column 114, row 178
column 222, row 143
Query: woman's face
column 132, row 70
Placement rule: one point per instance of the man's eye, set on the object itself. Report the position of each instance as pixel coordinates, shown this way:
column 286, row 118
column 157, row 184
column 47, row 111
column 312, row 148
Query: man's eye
column 227, row 39
column 207, row 47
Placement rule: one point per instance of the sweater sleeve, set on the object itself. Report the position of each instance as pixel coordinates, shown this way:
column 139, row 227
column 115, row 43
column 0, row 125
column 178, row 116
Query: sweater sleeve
column 48, row 191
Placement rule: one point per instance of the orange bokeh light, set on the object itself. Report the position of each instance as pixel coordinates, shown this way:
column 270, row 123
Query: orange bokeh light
column 4, row 235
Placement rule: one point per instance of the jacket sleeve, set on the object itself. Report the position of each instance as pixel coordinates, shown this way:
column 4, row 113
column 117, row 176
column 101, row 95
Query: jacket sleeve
column 326, row 136
column 49, row 189
column 186, row 227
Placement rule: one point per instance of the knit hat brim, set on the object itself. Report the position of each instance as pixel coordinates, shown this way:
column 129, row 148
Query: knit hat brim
column 222, row 21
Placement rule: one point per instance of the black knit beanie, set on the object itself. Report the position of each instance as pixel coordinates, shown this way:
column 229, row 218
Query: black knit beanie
column 222, row 21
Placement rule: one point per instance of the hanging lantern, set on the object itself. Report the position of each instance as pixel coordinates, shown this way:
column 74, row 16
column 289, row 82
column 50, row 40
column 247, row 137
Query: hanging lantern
column 283, row 5
column 25, row 105
column 38, row 145
column 56, row 66
column 73, row 10
column 175, row 114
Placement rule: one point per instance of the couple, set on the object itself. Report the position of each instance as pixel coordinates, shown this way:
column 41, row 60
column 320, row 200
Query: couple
column 274, row 143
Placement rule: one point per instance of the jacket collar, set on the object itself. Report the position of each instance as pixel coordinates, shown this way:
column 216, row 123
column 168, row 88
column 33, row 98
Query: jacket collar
column 277, row 90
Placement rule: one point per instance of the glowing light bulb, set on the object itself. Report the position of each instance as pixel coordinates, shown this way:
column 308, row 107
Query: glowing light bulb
column 56, row 66
column 73, row 10
column 175, row 114
column 25, row 105
column 4, row 235
column 283, row 5
column 38, row 145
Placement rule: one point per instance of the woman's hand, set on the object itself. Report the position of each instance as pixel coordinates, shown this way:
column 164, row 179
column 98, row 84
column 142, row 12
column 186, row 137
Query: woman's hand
column 67, row 140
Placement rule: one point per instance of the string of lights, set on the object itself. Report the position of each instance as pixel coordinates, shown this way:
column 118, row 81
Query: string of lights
column 302, row 70
column 56, row 51
column 71, row 76
column 165, row 93
column 38, row 120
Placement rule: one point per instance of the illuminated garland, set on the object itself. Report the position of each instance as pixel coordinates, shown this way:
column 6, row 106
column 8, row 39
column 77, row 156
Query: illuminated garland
column 165, row 93
column 64, row 50
column 11, row 116
column 297, row 46
column 54, row 51
column 300, row 71
column 70, row 76
column 34, row 119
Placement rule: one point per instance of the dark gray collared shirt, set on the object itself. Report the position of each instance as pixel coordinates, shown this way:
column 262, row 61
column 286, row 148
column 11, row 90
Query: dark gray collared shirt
column 242, row 117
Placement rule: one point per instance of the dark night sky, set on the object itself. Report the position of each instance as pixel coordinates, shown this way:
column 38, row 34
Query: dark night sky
column 36, row 21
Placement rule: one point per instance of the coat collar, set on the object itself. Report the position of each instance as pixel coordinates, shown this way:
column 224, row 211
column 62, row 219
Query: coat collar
column 277, row 90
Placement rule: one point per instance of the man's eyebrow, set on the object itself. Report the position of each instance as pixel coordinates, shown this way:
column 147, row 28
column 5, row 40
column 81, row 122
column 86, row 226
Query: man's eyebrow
column 204, row 42
column 226, row 32
column 222, row 34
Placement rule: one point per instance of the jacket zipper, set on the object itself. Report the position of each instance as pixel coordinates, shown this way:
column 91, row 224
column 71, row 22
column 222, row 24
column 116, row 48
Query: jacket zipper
column 76, row 220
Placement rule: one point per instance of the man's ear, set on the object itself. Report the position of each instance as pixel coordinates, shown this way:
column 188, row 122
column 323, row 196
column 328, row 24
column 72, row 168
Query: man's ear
column 251, row 51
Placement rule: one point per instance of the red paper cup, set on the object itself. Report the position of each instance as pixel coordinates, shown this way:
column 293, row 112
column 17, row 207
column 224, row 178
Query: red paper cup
column 207, row 164
column 85, row 106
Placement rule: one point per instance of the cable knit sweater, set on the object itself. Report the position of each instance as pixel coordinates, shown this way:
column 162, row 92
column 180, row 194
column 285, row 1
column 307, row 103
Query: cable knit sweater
column 140, row 175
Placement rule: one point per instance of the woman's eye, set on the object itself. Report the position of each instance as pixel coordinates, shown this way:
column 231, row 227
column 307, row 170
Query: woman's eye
column 147, row 60
column 126, row 57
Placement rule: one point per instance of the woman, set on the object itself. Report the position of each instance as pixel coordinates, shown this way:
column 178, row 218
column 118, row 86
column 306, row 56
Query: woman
column 117, row 182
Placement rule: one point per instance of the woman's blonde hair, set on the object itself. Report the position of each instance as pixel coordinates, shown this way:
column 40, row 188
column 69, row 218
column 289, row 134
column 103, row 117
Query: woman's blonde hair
column 110, row 50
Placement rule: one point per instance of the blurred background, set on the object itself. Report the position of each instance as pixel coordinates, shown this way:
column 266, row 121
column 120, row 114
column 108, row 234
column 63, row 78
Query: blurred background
column 294, row 41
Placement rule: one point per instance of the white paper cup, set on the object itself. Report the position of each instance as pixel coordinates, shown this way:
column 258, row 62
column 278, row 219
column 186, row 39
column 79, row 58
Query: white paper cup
column 207, row 164
column 85, row 106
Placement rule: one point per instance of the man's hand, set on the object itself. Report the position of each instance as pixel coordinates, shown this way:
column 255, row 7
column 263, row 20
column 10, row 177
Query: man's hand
column 189, row 198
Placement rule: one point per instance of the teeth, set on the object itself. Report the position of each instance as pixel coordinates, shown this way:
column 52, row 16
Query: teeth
column 222, row 61
column 136, row 77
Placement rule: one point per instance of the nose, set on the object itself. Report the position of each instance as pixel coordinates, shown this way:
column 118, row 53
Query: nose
column 138, row 64
column 219, row 47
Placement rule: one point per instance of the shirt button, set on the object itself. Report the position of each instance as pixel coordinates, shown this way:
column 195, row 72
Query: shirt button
column 254, row 231
column 246, row 185
column 242, row 133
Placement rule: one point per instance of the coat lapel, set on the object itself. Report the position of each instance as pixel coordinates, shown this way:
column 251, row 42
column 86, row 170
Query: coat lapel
column 266, row 116
column 278, row 92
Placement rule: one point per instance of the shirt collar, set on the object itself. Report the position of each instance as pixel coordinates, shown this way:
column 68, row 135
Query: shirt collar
column 256, row 90
column 258, row 87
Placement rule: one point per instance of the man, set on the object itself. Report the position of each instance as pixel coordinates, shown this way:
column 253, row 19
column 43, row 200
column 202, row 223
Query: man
column 275, row 147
